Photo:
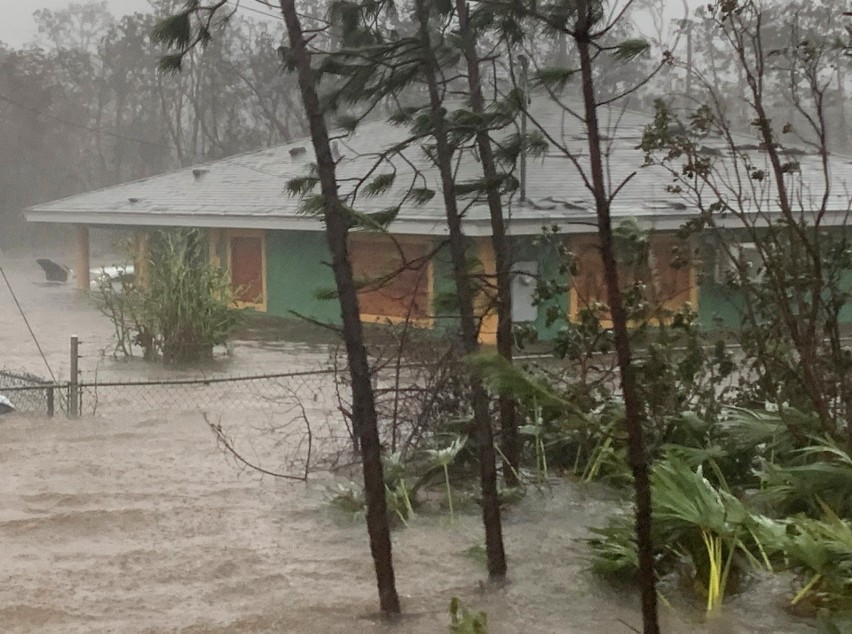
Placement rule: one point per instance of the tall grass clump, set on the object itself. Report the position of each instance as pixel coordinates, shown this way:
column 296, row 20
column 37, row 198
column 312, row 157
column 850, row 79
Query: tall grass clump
column 181, row 308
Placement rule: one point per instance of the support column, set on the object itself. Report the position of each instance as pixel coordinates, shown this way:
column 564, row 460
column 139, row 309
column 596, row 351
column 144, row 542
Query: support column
column 141, row 256
column 486, row 302
column 82, row 259
column 214, row 241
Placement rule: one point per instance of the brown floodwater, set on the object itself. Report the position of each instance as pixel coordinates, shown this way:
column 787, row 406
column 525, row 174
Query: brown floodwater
column 136, row 522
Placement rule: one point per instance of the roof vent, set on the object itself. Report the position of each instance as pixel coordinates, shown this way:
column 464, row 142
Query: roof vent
column 658, row 205
column 133, row 200
column 570, row 205
column 296, row 152
column 198, row 172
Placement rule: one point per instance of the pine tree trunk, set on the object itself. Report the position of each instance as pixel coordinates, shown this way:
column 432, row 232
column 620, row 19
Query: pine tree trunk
column 633, row 415
column 500, row 244
column 364, row 408
column 484, row 434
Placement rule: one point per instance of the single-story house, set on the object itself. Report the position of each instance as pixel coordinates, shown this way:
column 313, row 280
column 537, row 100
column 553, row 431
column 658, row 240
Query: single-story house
column 277, row 255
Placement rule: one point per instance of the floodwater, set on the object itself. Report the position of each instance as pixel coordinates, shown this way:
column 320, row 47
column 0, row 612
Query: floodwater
column 137, row 523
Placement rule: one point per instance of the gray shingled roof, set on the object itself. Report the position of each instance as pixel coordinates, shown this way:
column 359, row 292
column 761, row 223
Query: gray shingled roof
column 249, row 190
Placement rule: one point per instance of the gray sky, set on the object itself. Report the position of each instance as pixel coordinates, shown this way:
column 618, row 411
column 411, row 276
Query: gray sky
column 18, row 28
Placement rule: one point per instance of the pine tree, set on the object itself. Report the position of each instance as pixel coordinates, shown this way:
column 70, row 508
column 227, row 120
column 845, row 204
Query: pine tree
column 181, row 32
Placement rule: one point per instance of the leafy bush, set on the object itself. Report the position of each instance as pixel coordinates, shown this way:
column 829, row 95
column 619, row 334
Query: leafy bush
column 181, row 311
column 463, row 621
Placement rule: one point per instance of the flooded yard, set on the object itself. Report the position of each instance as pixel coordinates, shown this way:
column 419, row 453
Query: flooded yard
column 136, row 522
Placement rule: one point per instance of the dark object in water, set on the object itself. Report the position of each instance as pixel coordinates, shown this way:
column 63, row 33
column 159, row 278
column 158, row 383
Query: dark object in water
column 6, row 405
column 54, row 272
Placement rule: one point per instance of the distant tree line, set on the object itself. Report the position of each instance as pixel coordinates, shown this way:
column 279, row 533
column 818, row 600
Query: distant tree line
column 87, row 107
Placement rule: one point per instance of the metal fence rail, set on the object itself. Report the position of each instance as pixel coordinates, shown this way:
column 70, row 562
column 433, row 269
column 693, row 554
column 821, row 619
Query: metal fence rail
column 287, row 423
column 30, row 393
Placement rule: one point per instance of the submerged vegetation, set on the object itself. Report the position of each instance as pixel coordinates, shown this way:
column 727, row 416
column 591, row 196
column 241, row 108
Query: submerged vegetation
column 742, row 486
column 179, row 309
column 739, row 456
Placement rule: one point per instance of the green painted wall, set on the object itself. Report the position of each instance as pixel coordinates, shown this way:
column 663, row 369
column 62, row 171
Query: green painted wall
column 718, row 307
column 296, row 272
column 532, row 248
column 444, row 290
column 846, row 311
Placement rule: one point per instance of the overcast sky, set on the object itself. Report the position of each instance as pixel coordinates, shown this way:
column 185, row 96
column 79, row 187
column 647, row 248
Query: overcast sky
column 17, row 27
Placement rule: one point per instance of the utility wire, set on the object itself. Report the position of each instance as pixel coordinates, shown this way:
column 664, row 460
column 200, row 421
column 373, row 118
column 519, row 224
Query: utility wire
column 42, row 113
column 27, row 322
column 120, row 136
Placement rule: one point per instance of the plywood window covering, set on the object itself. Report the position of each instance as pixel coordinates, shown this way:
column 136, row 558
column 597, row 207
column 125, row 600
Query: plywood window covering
column 395, row 279
column 669, row 283
column 247, row 264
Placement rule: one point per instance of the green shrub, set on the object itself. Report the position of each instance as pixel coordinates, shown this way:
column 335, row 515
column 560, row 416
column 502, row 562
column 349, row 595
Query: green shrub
column 182, row 310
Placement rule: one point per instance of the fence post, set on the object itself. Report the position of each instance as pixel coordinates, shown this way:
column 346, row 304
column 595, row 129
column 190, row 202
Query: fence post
column 73, row 384
column 50, row 402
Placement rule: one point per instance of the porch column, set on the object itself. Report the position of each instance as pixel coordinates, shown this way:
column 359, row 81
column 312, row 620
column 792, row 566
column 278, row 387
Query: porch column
column 82, row 259
column 486, row 301
column 141, row 256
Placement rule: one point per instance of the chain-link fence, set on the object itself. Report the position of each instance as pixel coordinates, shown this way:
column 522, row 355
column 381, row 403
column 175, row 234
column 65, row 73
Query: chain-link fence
column 30, row 393
column 286, row 423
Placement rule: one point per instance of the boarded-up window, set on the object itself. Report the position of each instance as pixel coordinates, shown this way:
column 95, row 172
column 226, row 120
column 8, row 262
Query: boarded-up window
column 673, row 279
column 665, row 273
column 394, row 279
column 246, row 259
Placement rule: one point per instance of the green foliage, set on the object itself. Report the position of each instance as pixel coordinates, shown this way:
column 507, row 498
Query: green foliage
column 421, row 195
column 614, row 550
column 811, row 477
column 443, row 458
column 182, row 310
column 400, row 497
column 189, row 303
column 693, row 520
column 719, row 531
column 820, row 551
column 554, row 78
column 629, row 49
column 463, row 621
column 380, row 184
column 174, row 30
column 349, row 498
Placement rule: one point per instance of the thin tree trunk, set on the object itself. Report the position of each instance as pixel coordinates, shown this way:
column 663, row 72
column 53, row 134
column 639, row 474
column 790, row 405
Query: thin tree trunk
column 502, row 256
column 364, row 407
column 633, row 415
column 485, row 436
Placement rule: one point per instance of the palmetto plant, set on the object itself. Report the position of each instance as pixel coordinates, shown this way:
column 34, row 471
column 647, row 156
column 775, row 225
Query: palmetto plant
column 807, row 480
column 696, row 520
column 444, row 458
column 707, row 524
column 535, row 429
column 398, row 493
column 463, row 621
column 821, row 552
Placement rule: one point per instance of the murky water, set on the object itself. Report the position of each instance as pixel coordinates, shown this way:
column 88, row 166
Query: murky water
column 136, row 522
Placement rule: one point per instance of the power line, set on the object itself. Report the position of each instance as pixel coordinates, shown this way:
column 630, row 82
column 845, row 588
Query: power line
column 27, row 322
column 81, row 126
column 277, row 16
column 259, row 12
